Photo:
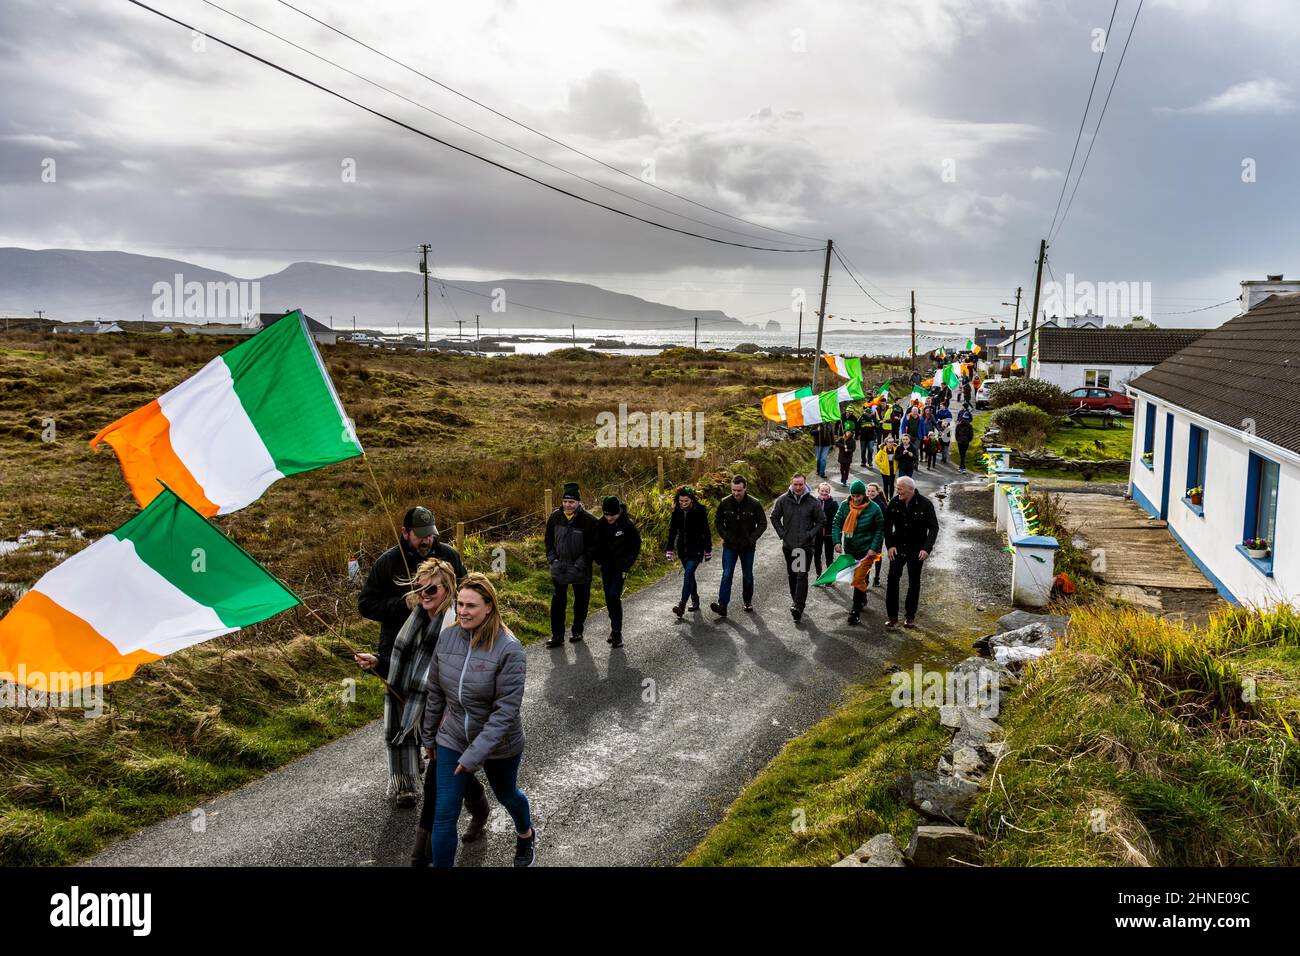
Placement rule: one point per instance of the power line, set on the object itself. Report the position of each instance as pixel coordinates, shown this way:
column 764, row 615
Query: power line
column 491, row 139
column 1101, row 116
column 461, row 149
column 1084, row 118
column 522, row 125
column 1204, row 309
column 860, row 285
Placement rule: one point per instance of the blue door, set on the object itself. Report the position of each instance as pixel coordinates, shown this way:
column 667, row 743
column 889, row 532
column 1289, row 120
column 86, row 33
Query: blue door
column 1169, row 458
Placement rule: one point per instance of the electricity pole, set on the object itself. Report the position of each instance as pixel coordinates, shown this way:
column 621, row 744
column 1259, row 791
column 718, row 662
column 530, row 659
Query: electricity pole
column 697, row 331
column 798, row 342
column 1015, row 330
column 460, row 330
column 424, row 269
column 1033, row 316
column 913, row 330
column 821, row 316
column 478, row 337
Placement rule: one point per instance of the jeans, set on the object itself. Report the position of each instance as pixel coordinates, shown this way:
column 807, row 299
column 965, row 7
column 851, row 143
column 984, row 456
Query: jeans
column 502, row 776
column 611, row 581
column 865, row 446
column 729, row 557
column 823, row 457
column 560, row 604
column 689, row 590
column 475, row 797
column 914, row 566
column 798, row 579
column 943, row 450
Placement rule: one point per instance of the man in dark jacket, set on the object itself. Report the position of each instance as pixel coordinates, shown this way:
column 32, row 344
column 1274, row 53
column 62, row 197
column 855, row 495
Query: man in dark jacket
column 570, row 550
column 383, row 598
column 797, row 520
column 911, row 528
column 964, row 433
column 618, row 544
column 823, row 441
column 690, row 537
column 740, row 522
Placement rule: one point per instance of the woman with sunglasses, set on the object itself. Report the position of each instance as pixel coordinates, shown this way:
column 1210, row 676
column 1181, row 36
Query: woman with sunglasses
column 473, row 719
column 406, row 671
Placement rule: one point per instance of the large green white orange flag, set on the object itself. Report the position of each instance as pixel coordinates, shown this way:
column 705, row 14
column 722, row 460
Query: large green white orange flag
column 850, row 368
column 774, row 405
column 949, row 376
column 263, row 410
column 813, row 409
column 852, row 392
column 165, row 580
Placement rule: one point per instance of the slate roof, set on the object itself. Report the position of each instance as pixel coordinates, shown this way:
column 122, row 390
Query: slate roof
column 314, row 327
column 1248, row 369
column 1116, row 346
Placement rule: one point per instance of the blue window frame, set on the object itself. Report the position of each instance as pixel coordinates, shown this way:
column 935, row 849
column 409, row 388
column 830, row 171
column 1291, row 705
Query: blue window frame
column 1261, row 508
column 1198, row 443
column 1149, row 436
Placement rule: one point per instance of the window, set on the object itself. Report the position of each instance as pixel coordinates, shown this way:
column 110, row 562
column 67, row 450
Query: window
column 1261, row 506
column 1097, row 376
column 1079, row 393
column 1198, row 444
column 1149, row 436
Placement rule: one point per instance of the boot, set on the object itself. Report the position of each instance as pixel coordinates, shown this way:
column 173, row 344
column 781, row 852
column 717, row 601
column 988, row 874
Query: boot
column 422, row 854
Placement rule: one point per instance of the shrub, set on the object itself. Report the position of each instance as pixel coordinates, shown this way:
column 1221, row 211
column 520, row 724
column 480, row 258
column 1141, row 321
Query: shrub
column 1029, row 391
column 1022, row 426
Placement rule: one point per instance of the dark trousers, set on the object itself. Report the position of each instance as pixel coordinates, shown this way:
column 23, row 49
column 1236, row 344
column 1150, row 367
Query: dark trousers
column 844, row 470
column 823, row 551
column 690, row 590
column 729, row 558
column 475, row 796
column 887, row 485
column 865, row 447
column 560, row 604
column 797, row 557
column 896, row 565
column 961, row 450
column 611, row 581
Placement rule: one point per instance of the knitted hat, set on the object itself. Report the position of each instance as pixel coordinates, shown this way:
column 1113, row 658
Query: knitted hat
column 611, row 505
column 571, row 491
column 858, row 487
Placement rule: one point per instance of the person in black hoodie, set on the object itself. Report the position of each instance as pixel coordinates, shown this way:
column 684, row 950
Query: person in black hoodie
column 618, row 544
column 911, row 528
column 740, row 521
column 383, row 598
column 570, row 550
column 689, row 532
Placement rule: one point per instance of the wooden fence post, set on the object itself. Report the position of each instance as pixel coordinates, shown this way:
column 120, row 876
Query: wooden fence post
column 460, row 537
column 661, row 472
column 547, row 506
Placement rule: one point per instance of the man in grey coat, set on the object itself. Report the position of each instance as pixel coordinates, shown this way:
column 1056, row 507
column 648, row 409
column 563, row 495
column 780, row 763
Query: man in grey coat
column 797, row 520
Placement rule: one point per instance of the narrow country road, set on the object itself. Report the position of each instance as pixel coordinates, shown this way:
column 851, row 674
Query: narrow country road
column 633, row 754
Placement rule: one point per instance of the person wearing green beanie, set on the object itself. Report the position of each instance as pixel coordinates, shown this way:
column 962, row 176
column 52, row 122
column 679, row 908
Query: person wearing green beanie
column 859, row 531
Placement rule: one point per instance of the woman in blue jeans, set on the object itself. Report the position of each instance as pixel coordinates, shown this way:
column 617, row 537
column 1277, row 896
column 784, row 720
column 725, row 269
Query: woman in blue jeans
column 690, row 535
column 472, row 719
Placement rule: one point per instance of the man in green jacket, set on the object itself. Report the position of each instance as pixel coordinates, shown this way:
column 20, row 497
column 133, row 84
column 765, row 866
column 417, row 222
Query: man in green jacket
column 859, row 531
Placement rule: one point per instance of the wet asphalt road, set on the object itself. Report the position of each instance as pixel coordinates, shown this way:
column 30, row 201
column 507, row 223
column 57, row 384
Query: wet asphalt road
column 633, row 754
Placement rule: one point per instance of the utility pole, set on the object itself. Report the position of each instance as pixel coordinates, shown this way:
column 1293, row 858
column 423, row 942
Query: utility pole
column 478, row 338
column 798, row 342
column 573, row 331
column 1033, row 316
column 460, row 330
column 1015, row 330
column 354, row 323
column 821, row 316
column 424, row 269
column 913, row 330
column 697, row 331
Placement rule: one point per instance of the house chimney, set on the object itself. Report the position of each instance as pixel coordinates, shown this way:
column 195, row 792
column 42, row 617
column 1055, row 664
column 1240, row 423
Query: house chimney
column 1255, row 291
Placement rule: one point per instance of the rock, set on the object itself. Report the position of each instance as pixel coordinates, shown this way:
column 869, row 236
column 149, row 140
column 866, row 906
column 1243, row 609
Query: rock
column 974, row 729
column 1034, row 634
column 967, row 762
column 977, row 683
column 1134, row 595
column 1018, row 655
column 1016, row 619
column 937, row 797
column 932, row 845
column 880, row 850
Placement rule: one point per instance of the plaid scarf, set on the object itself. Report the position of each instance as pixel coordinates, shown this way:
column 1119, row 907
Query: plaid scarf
column 408, row 669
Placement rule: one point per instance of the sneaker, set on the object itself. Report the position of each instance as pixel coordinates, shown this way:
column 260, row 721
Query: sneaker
column 749, row 608
column 718, row 609
column 796, row 612
column 855, row 617
column 557, row 640
column 679, row 609
column 406, row 798
column 614, row 640
column 695, row 605
column 909, row 623
column 892, row 622
column 576, row 638
column 526, row 849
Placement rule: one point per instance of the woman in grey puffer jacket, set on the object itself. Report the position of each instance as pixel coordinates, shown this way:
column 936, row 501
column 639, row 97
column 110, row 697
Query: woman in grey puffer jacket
column 472, row 717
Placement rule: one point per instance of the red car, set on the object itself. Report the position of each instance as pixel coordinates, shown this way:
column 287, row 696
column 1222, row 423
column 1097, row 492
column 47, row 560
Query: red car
column 1100, row 399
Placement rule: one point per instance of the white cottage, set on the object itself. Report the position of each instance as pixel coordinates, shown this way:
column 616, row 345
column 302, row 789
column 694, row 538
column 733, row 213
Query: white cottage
column 1216, row 451
column 1104, row 358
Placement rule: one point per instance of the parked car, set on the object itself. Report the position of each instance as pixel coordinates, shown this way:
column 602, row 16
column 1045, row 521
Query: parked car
column 1100, row 399
column 985, row 393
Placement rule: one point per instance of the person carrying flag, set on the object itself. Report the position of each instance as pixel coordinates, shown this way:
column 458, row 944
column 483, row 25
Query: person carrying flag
column 859, row 531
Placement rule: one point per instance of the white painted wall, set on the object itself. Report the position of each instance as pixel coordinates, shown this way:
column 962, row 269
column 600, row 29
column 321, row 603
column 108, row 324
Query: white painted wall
column 1211, row 539
column 1069, row 375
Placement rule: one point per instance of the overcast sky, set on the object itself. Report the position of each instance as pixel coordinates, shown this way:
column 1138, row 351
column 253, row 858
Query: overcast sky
column 929, row 138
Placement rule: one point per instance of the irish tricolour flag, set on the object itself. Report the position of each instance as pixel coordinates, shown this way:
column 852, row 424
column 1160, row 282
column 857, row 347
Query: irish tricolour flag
column 774, row 405
column 840, row 571
column 263, row 410
column 165, row 580
column 813, row 410
column 948, row 376
column 850, row 368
